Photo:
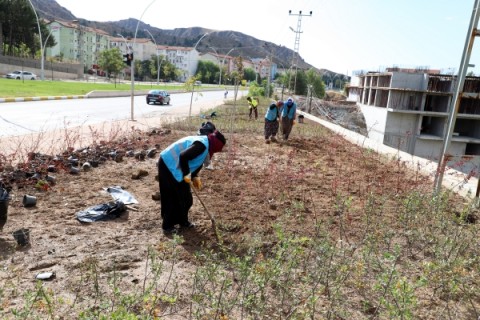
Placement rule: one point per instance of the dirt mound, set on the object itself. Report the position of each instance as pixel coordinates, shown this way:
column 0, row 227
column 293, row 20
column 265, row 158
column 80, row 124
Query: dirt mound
column 334, row 96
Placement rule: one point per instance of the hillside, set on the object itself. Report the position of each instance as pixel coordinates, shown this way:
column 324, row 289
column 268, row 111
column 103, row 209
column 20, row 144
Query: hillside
column 187, row 37
column 314, row 227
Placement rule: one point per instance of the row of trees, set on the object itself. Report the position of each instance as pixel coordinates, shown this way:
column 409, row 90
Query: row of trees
column 112, row 62
column 306, row 81
column 19, row 30
column 209, row 72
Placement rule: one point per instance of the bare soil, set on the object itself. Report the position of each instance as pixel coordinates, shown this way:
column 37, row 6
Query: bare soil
column 248, row 191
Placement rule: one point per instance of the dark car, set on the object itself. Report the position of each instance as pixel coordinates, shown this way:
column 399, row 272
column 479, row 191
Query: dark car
column 158, row 96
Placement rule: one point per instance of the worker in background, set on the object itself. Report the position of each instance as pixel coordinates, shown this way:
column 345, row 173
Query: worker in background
column 252, row 106
column 288, row 115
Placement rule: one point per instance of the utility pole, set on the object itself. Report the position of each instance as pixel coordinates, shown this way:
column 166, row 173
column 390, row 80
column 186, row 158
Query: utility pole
column 42, row 63
column 297, row 41
column 132, row 67
column 156, row 51
column 455, row 102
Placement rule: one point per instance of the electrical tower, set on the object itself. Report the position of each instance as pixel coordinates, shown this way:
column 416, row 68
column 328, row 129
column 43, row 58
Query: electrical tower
column 296, row 46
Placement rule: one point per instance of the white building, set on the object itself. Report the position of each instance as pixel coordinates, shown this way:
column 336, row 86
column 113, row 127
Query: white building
column 143, row 48
column 77, row 43
column 183, row 58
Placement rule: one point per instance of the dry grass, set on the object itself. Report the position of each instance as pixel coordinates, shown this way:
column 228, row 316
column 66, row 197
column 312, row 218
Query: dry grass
column 312, row 228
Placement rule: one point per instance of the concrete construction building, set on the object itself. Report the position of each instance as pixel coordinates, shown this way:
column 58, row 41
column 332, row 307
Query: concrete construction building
column 409, row 110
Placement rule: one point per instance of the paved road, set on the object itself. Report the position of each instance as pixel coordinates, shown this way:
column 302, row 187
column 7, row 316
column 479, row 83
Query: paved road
column 22, row 118
column 51, row 126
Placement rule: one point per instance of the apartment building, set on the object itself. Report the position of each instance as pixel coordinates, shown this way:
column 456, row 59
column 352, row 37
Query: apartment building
column 77, row 43
column 184, row 59
column 409, row 109
column 143, row 48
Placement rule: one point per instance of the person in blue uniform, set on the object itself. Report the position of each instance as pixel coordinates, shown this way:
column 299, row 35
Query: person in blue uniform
column 288, row 115
column 271, row 121
column 178, row 168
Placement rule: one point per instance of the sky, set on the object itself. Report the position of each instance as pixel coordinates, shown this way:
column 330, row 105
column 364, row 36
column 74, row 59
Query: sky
column 343, row 36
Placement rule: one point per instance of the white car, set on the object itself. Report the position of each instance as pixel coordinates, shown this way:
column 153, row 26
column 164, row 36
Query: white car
column 26, row 75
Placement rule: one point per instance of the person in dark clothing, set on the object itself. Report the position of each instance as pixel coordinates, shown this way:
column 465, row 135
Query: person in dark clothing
column 178, row 167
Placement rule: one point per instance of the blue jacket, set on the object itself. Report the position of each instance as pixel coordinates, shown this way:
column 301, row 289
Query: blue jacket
column 171, row 155
column 289, row 112
column 271, row 114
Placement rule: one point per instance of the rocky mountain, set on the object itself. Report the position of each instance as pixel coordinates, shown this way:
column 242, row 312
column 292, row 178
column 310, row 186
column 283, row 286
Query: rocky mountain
column 222, row 41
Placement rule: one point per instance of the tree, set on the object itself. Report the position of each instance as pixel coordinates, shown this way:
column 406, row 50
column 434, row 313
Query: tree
column 255, row 90
column 283, row 81
column 250, row 74
column 169, row 70
column 111, row 61
column 143, row 70
column 207, row 72
column 19, row 29
column 155, row 64
column 312, row 79
column 315, row 81
column 267, row 88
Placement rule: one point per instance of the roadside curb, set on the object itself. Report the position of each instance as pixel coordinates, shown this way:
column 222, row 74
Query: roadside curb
column 2, row 100
column 92, row 94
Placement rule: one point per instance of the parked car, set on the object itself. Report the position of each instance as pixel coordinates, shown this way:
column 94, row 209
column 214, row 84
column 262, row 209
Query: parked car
column 26, row 75
column 158, row 96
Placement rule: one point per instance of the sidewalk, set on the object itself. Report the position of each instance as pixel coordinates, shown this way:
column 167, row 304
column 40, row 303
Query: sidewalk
column 452, row 179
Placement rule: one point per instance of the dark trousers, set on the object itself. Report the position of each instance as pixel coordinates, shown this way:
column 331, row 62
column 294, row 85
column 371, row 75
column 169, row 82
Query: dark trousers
column 253, row 110
column 271, row 128
column 175, row 198
column 287, row 125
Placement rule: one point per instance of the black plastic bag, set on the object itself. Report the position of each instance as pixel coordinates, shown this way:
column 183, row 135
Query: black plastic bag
column 104, row 211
